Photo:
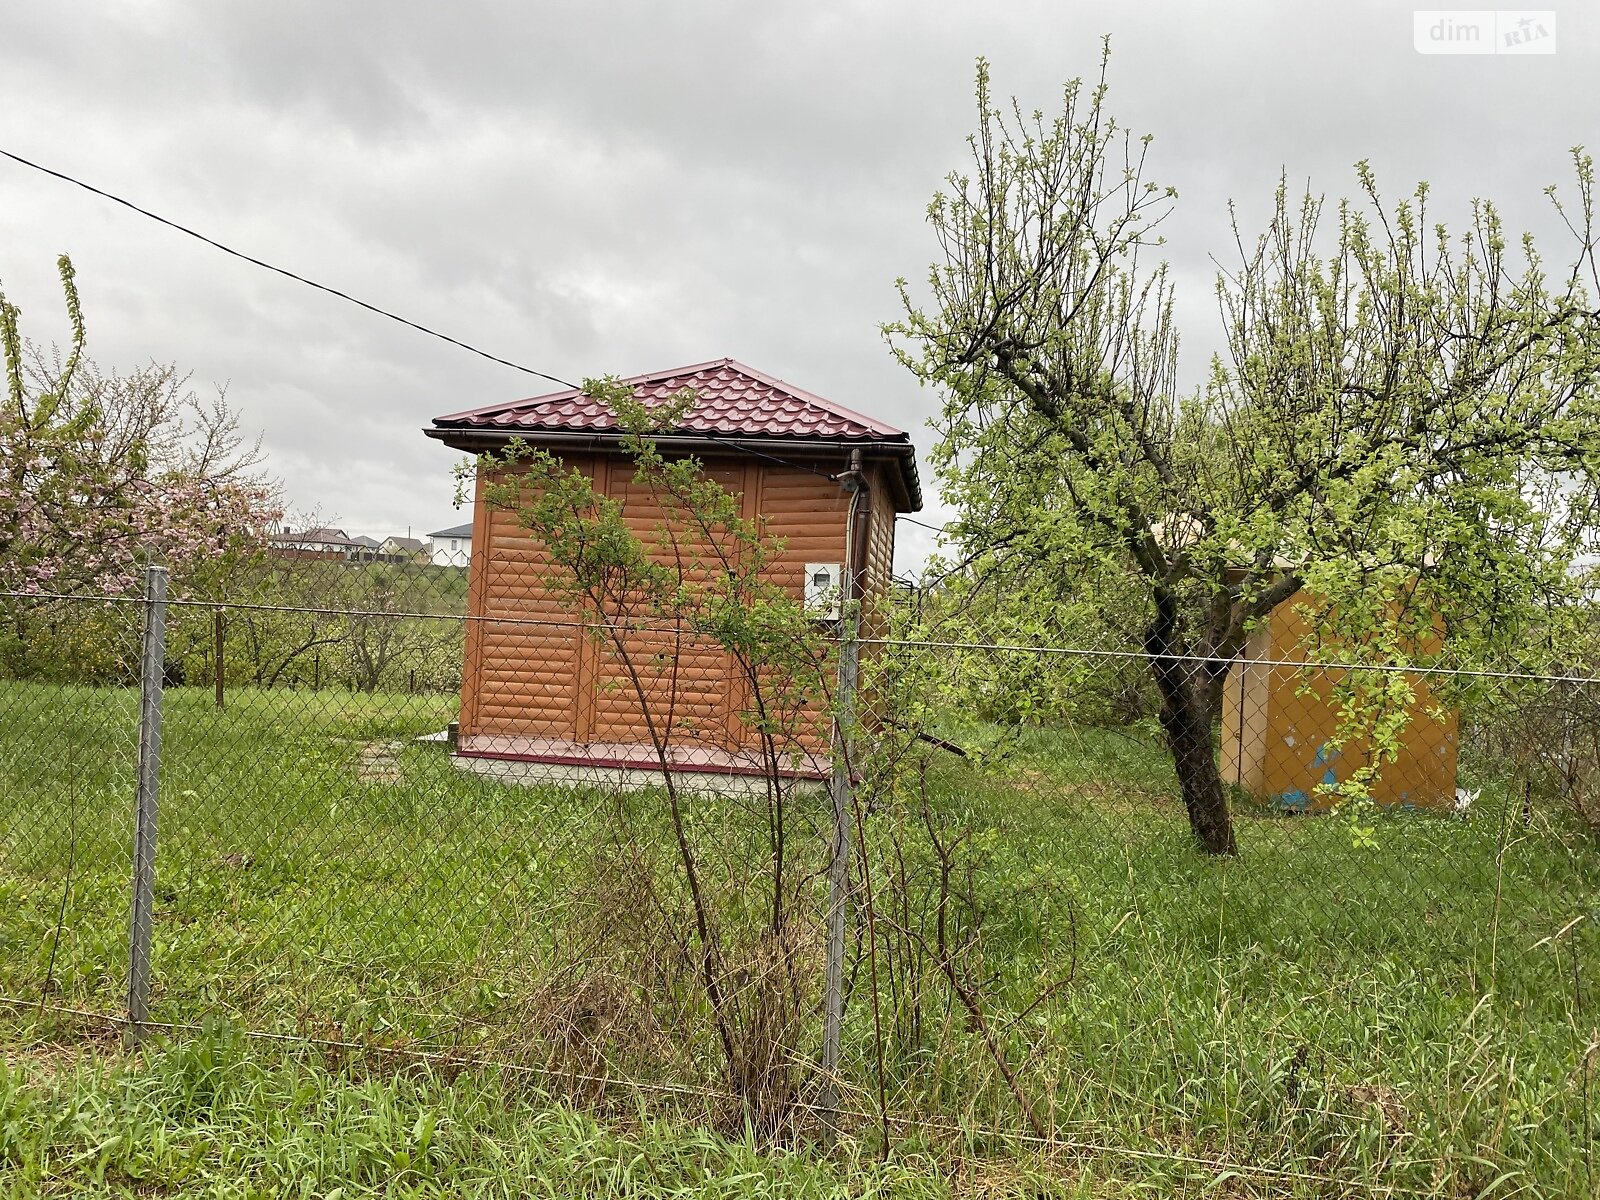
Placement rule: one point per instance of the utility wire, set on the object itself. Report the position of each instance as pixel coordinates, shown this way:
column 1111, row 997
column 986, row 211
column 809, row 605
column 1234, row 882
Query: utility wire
column 321, row 287
column 373, row 308
column 733, row 440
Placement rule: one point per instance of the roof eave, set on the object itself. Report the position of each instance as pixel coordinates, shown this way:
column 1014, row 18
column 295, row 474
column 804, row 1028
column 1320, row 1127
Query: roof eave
column 475, row 439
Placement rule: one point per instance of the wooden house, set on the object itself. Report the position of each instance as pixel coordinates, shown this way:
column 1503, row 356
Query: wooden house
column 543, row 699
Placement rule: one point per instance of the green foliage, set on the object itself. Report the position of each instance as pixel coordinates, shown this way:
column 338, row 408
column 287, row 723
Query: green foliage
column 1008, row 599
column 1405, row 425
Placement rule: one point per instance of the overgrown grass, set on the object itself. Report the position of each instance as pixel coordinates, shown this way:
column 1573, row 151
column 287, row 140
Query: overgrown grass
column 1419, row 1011
column 214, row 1117
column 1415, row 1013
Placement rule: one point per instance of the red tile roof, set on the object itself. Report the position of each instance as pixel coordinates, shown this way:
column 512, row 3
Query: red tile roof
column 734, row 401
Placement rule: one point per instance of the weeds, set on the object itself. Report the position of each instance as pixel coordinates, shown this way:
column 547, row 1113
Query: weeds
column 1418, row 1017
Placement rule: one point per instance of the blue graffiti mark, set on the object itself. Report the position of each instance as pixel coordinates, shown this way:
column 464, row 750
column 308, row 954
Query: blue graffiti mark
column 1294, row 801
column 1324, row 758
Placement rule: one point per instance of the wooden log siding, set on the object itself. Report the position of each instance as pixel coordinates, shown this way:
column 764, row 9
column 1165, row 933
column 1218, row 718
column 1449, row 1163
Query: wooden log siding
column 521, row 672
column 685, row 679
column 880, row 557
column 555, row 682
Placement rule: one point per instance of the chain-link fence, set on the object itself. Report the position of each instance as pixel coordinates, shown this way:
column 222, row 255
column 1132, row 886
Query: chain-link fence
column 70, row 753
column 924, row 885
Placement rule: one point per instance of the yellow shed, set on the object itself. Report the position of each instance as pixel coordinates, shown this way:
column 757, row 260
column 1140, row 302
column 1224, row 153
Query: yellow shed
column 1278, row 733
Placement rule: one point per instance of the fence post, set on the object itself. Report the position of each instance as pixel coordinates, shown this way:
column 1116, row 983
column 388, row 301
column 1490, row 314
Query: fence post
column 219, row 662
column 151, row 667
column 839, row 860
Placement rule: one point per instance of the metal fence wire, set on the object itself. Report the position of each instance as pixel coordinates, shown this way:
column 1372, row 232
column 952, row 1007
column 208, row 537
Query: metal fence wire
column 917, row 877
column 70, row 749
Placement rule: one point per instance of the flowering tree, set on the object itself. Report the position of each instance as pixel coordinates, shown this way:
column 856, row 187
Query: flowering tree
column 101, row 472
column 1405, row 425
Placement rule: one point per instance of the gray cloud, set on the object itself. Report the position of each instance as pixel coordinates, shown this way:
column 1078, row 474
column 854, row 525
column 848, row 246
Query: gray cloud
column 620, row 187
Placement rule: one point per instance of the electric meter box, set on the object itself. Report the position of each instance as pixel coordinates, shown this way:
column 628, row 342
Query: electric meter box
column 824, row 583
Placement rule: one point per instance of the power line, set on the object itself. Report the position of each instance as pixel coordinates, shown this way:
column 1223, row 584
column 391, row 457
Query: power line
column 924, row 524
column 733, row 440
column 321, row 287
column 373, row 308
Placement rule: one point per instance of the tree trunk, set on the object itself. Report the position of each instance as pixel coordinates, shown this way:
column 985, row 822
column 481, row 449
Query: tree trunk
column 1186, row 719
column 1187, row 709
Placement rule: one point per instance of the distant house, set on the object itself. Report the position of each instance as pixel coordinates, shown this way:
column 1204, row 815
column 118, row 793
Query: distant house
column 451, row 547
column 328, row 542
column 321, row 542
column 366, row 549
column 402, row 549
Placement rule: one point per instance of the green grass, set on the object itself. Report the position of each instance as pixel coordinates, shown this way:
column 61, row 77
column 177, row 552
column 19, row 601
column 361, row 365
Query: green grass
column 1408, row 1013
column 217, row 1116
column 214, row 1117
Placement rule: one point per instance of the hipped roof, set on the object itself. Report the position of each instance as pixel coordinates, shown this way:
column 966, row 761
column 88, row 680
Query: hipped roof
column 737, row 406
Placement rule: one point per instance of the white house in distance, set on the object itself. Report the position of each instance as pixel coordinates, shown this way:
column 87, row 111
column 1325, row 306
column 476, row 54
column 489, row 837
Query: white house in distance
column 451, row 547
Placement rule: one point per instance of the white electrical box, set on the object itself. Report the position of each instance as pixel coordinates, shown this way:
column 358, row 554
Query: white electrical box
column 824, row 584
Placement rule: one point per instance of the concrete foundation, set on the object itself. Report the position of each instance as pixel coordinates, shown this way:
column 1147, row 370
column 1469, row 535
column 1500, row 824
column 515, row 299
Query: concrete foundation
column 626, row 778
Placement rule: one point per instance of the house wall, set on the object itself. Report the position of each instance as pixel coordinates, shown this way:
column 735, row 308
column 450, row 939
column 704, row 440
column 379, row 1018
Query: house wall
column 685, row 680
column 1247, row 708
column 534, row 684
column 880, row 554
column 519, row 676
column 1276, row 730
column 444, row 556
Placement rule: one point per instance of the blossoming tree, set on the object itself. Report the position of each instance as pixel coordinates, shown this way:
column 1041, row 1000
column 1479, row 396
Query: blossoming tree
column 101, row 472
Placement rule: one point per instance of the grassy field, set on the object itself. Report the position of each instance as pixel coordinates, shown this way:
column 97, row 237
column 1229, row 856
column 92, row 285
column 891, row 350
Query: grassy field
column 1415, row 1013
column 215, row 1117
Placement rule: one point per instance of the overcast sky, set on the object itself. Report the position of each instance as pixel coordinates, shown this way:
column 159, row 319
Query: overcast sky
column 594, row 188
